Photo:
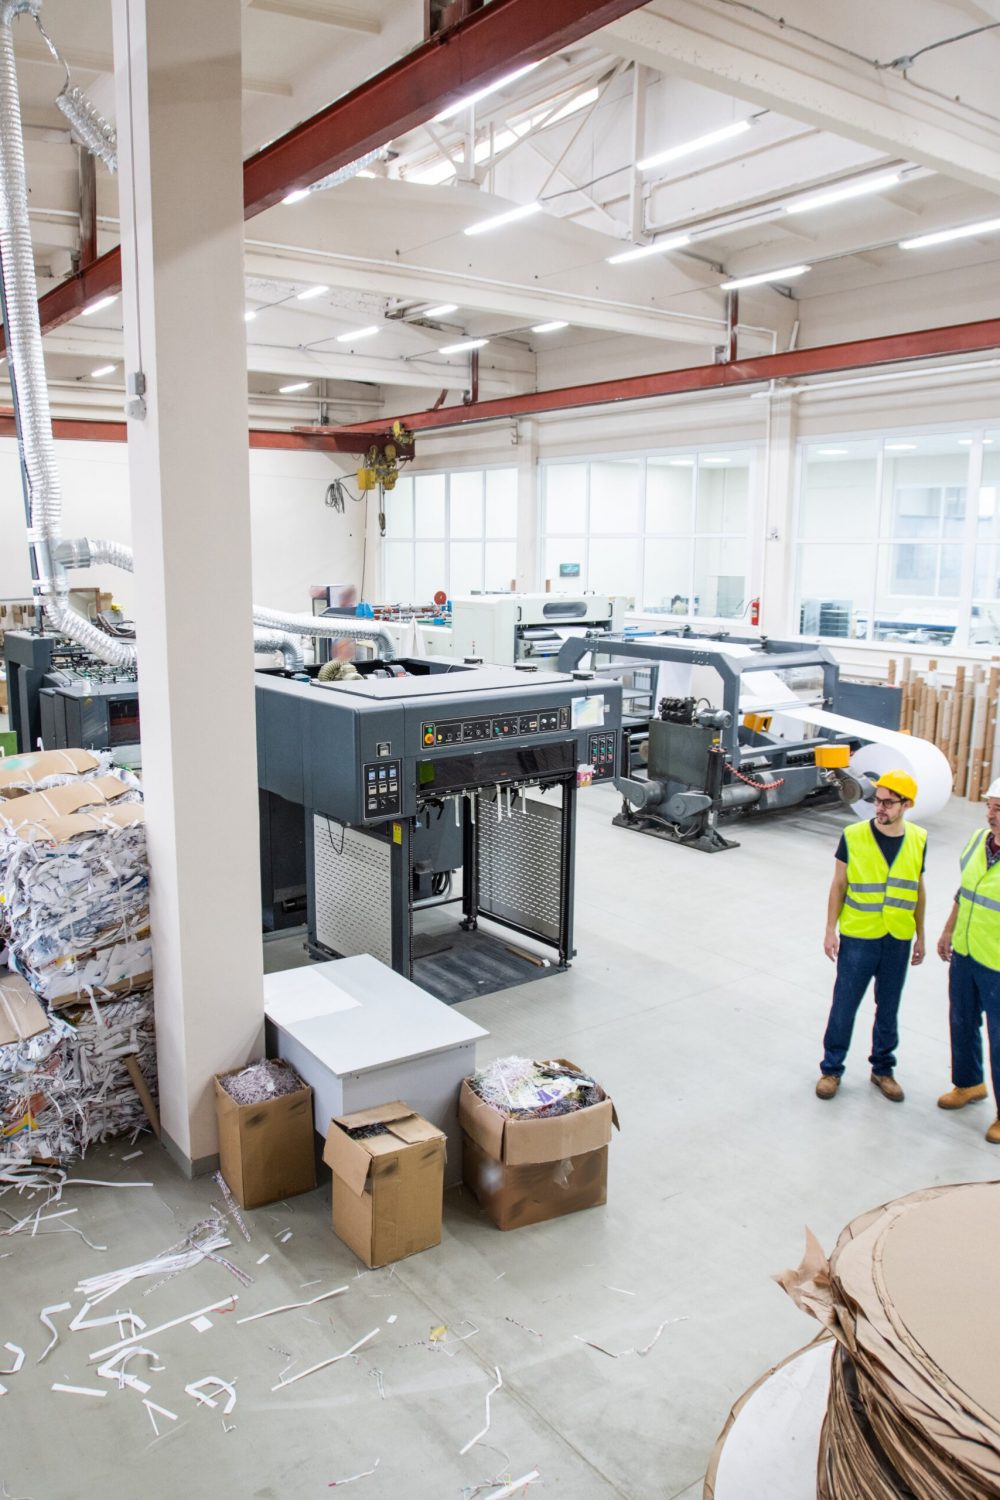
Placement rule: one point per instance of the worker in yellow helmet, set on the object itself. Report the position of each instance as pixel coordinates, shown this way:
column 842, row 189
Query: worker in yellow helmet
column 970, row 944
column 877, row 902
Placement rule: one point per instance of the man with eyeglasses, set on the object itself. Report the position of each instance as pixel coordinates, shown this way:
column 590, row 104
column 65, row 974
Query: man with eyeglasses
column 970, row 945
column 877, row 901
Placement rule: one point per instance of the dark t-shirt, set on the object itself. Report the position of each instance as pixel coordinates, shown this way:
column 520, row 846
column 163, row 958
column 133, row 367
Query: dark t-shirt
column 889, row 847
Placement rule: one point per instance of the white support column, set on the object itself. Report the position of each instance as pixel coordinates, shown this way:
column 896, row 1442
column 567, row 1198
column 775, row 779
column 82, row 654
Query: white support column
column 180, row 175
column 528, row 507
column 777, row 596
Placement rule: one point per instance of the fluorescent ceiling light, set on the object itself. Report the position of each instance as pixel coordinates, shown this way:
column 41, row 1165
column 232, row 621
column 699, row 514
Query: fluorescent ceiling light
column 358, row 333
column 289, row 390
column 857, row 189
column 249, row 315
column 785, row 274
column 102, row 370
column 296, row 195
column 965, row 231
column 987, row 441
column 674, row 242
column 965, row 442
column 365, row 173
column 439, row 312
column 548, row 327
column 310, row 292
column 492, row 88
column 465, row 344
column 900, row 447
column 714, row 458
column 832, row 452
column 96, row 306
column 681, row 463
column 510, row 216
column 700, row 143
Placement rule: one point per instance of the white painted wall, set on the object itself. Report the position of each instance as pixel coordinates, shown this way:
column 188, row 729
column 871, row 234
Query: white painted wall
column 297, row 539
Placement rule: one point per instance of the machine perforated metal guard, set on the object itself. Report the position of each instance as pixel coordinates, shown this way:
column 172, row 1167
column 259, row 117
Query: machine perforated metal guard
column 520, row 866
column 353, row 891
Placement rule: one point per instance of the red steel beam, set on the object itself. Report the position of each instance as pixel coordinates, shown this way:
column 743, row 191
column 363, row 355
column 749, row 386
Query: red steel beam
column 825, row 359
column 505, row 36
column 333, row 440
column 485, row 47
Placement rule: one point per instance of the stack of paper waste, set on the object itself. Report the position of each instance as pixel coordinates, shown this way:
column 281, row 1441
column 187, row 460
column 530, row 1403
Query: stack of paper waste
column 74, row 915
column 80, row 794
column 522, row 1089
column 912, row 1295
column 64, row 1083
column 76, row 891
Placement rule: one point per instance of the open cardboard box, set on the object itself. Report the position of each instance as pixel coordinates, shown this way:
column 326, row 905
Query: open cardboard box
column 266, row 1150
column 526, row 1171
column 388, row 1189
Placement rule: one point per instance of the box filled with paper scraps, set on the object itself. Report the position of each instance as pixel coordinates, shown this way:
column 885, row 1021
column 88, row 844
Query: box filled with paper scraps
column 388, row 1182
column 535, row 1139
column 266, row 1138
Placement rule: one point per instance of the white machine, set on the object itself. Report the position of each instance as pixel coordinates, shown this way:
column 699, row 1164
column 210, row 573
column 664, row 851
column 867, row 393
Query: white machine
column 502, row 629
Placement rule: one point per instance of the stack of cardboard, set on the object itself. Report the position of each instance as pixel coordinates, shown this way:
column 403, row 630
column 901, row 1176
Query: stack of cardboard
column 912, row 1295
column 74, row 888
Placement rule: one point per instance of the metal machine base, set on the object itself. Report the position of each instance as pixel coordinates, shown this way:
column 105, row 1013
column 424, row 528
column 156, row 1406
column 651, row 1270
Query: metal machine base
column 709, row 840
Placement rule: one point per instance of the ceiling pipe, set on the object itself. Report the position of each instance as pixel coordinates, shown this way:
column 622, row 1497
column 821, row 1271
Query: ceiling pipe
column 506, row 35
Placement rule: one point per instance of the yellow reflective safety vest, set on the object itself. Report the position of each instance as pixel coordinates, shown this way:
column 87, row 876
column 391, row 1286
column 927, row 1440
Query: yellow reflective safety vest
column 977, row 929
column 881, row 899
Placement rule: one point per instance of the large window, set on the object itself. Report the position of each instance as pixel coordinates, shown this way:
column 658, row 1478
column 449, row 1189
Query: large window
column 453, row 532
column 886, row 538
column 670, row 531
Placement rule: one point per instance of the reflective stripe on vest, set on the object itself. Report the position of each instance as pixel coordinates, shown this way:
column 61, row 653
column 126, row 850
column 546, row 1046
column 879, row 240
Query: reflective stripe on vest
column 977, row 929
column 874, row 907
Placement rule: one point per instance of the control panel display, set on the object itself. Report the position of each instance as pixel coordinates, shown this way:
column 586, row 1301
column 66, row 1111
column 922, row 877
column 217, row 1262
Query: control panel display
column 481, row 731
column 381, row 784
column 602, row 755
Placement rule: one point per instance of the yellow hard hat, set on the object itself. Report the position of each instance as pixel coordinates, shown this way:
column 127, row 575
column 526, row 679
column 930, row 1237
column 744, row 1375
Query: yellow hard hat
column 900, row 782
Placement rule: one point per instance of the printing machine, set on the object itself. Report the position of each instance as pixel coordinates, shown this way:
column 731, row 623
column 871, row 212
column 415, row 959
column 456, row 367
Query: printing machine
column 427, row 765
column 60, row 696
column 690, row 759
column 506, row 628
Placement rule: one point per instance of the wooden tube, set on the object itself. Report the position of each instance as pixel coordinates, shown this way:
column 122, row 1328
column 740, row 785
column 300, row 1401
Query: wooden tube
column 964, row 735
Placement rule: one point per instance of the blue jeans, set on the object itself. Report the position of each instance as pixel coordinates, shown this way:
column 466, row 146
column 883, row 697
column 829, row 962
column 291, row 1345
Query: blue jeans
column 859, row 961
column 973, row 989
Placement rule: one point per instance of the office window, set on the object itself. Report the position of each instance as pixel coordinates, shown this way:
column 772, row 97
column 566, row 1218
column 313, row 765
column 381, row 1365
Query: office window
column 984, row 629
column 884, row 537
column 455, row 532
column 669, row 531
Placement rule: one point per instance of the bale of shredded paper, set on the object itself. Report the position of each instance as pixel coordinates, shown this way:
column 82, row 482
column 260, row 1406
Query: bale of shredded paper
column 261, row 1081
column 67, row 1088
column 522, row 1089
column 76, row 892
column 22, row 774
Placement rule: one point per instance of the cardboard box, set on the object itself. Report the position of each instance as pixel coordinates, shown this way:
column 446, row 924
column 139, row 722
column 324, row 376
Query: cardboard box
column 61, row 801
column 266, row 1151
column 21, row 1015
column 526, row 1171
column 388, row 1189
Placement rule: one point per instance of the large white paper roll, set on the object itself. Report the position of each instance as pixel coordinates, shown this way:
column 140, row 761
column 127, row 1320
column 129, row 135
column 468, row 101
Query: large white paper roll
column 888, row 750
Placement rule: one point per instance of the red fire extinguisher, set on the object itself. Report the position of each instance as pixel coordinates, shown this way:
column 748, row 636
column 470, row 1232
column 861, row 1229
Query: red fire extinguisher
column 754, row 611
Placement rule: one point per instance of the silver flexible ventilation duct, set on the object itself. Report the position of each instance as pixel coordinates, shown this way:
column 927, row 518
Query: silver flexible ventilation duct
column 89, row 127
column 333, row 627
column 24, row 346
column 277, row 640
column 52, row 555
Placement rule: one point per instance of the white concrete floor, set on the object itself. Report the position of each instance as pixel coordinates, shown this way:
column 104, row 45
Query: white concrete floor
column 699, row 997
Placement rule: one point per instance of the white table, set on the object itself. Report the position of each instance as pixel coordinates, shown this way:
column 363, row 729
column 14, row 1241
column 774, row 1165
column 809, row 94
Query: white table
column 360, row 1034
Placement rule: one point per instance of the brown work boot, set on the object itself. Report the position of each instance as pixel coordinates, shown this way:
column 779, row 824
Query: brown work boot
column 828, row 1085
column 887, row 1085
column 957, row 1098
column 993, row 1134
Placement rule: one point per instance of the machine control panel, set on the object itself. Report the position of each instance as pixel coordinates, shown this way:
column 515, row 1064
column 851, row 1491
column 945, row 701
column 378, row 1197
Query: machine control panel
column 602, row 755
column 381, row 788
column 470, row 731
